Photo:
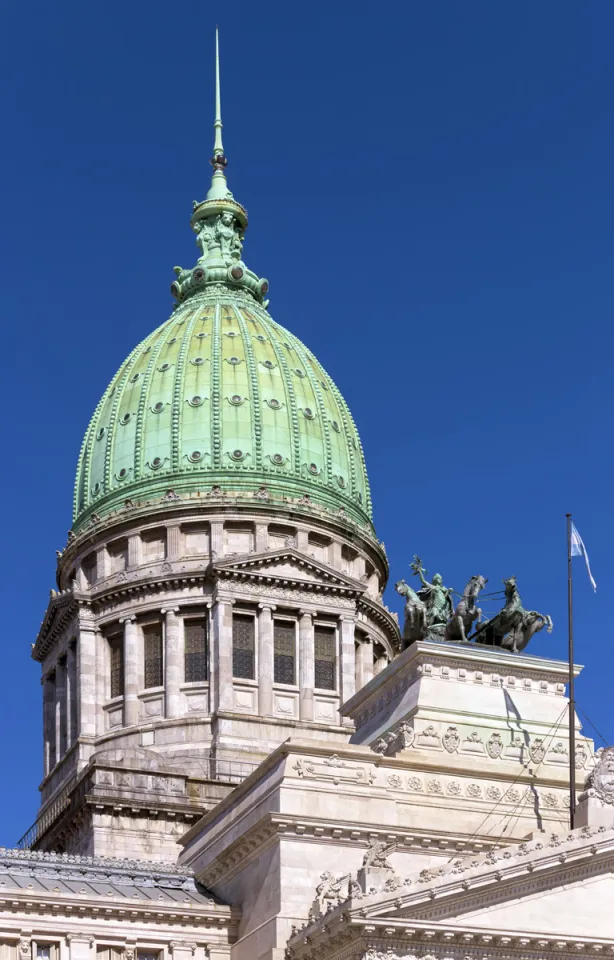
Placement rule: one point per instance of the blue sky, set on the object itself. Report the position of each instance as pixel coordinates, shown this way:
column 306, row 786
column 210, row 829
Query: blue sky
column 431, row 196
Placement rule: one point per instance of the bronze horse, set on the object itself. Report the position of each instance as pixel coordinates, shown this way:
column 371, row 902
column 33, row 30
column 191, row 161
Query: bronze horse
column 512, row 628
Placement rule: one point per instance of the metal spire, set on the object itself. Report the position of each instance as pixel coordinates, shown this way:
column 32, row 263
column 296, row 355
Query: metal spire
column 218, row 147
column 219, row 188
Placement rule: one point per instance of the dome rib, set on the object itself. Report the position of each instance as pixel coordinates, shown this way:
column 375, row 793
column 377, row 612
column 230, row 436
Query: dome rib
column 177, row 401
column 254, row 388
column 289, row 386
column 216, row 441
column 110, row 438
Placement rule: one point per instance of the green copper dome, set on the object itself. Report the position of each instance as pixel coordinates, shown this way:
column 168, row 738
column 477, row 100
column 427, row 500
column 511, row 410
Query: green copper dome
column 221, row 395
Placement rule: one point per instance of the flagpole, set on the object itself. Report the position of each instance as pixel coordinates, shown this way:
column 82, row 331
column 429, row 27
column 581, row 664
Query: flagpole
column 572, row 699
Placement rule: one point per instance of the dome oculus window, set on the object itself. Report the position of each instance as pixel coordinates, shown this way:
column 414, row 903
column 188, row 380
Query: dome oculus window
column 309, row 414
column 313, row 468
column 299, row 373
column 196, row 400
column 135, row 378
column 158, row 407
column 125, row 419
column 164, row 367
column 335, row 426
column 237, row 455
column 197, row 361
column 123, row 473
column 156, row 462
column 341, row 482
column 268, row 364
column 236, row 399
column 201, row 336
column 274, row 404
column 195, row 457
column 278, row 459
column 100, row 434
column 172, row 340
column 234, row 360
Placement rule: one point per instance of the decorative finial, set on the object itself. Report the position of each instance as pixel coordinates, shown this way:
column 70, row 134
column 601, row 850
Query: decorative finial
column 219, row 187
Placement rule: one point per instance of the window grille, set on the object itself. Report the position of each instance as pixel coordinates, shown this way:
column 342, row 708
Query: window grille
column 116, row 647
column 195, row 650
column 152, row 636
column 284, row 645
column 243, row 642
column 324, row 646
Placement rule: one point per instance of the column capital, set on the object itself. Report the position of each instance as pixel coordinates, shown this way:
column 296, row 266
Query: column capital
column 306, row 613
column 267, row 606
column 173, row 610
column 130, row 619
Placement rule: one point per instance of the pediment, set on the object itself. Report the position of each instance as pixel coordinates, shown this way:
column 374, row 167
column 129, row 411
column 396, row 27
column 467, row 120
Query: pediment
column 287, row 567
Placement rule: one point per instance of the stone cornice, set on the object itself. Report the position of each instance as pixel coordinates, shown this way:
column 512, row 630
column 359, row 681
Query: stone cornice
column 64, row 862
column 384, row 617
column 466, row 662
column 258, row 837
column 62, row 608
column 345, row 936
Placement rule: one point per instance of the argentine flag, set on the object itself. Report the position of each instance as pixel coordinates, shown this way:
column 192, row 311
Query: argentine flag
column 579, row 550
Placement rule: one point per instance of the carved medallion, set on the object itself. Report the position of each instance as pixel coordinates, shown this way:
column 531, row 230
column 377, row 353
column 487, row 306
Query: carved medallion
column 494, row 746
column 537, row 751
column 451, row 740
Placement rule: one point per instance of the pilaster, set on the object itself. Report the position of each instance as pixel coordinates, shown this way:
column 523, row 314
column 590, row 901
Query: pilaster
column 60, row 708
column 174, row 542
column 347, row 628
column 306, row 664
column 86, row 671
column 364, row 662
column 217, row 539
column 48, row 683
column 262, row 537
column 222, row 645
column 71, row 693
column 134, row 550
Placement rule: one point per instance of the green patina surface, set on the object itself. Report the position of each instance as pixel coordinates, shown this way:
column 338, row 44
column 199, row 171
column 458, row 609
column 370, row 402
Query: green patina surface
column 221, row 394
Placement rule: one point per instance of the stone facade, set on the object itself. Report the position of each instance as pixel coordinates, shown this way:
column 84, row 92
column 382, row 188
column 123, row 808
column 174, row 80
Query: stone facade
column 151, row 709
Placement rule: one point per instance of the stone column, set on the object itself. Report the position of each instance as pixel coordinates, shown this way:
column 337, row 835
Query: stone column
column 222, row 646
column 364, row 662
column 71, row 694
column 173, row 660
column 217, row 539
column 306, row 665
column 347, row 627
column 86, row 672
column 131, row 671
column 266, row 660
column 174, row 542
column 48, row 683
column 60, row 708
